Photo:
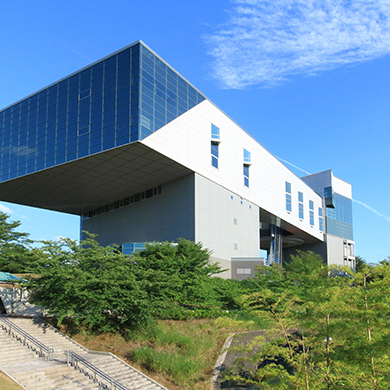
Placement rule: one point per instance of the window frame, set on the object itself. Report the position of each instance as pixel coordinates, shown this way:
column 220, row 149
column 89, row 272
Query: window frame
column 301, row 213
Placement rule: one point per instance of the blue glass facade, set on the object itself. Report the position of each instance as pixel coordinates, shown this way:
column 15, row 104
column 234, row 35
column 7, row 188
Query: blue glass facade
column 129, row 248
column 118, row 100
column 339, row 218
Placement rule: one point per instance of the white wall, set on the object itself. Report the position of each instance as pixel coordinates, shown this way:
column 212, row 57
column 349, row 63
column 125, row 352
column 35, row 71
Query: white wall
column 187, row 140
column 342, row 187
column 16, row 302
column 335, row 250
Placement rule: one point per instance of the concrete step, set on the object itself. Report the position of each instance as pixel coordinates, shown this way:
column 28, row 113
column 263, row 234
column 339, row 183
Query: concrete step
column 123, row 373
column 18, row 356
column 52, row 375
column 47, row 335
column 13, row 351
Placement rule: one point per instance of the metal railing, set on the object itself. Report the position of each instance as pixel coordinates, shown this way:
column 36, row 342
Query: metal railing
column 39, row 321
column 93, row 372
column 31, row 342
column 134, row 370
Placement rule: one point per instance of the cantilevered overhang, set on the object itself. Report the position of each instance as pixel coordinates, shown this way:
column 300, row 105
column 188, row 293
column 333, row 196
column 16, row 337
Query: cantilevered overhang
column 82, row 185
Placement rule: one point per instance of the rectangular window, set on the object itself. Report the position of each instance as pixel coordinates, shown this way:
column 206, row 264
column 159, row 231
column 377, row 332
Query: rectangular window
column 247, row 157
column 300, row 204
column 351, row 250
column 246, row 175
column 214, row 154
column 320, row 219
column 288, row 196
column 328, row 194
column 243, row 271
column 311, row 212
column 214, row 146
column 214, row 132
column 129, row 248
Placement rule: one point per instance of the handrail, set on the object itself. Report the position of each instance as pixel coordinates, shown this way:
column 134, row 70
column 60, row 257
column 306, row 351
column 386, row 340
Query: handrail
column 127, row 365
column 21, row 334
column 50, row 326
column 73, row 359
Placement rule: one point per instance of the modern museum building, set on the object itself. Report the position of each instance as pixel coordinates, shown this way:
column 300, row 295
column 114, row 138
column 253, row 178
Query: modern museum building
column 141, row 155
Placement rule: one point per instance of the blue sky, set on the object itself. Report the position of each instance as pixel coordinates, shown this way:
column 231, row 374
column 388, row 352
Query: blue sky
column 309, row 80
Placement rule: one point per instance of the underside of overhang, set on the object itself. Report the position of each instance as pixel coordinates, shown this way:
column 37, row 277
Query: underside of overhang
column 292, row 236
column 82, row 185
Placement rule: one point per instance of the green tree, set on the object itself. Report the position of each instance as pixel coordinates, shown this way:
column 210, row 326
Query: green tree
column 361, row 263
column 177, row 277
column 106, row 290
column 94, row 285
column 341, row 326
column 16, row 255
column 364, row 327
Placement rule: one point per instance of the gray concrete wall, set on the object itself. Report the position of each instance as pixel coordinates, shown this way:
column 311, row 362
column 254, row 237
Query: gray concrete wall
column 246, row 265
column 225, row 265
column 165, row 217
column 225, row 223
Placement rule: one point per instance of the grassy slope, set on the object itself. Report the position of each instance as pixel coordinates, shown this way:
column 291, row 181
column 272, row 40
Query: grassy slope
column 178, row 354
column 8, row 384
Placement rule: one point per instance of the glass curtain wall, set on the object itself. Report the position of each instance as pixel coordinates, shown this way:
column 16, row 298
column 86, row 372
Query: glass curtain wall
column 118, row 100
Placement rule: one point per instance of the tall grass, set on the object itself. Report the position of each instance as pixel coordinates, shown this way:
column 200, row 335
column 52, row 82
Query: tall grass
column 181, row 367
column 182, row 352
column 186, row 351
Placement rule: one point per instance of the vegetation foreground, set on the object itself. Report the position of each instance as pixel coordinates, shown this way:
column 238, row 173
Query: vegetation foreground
column 162, row 310
column 177, row 354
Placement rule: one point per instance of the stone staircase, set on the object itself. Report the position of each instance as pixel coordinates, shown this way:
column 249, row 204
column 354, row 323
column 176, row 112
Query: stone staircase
column 14, row 352
column 25, row 367
column 48, row 376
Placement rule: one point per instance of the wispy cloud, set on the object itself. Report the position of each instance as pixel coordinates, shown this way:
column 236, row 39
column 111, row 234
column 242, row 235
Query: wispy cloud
column 5, row 209
column 265, row 41
column 387, row 218
column 287, row 162
column 80, row 54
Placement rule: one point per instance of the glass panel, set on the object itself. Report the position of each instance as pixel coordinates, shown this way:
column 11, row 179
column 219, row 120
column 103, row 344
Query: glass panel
column 247, row 156
column 214, row 132
column 214, row 150
column 214, row 162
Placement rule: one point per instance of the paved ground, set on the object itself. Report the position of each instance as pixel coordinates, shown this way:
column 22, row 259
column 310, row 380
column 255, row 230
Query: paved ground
column 228, row 357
